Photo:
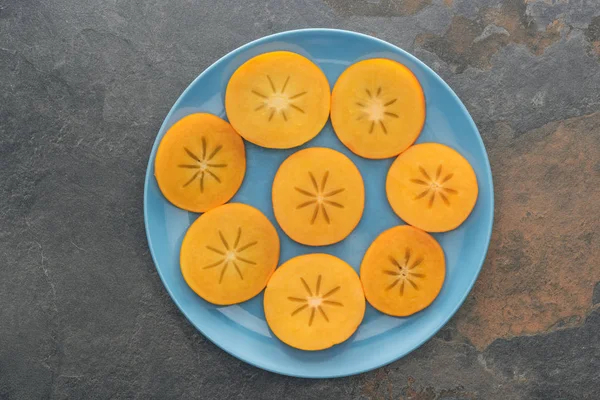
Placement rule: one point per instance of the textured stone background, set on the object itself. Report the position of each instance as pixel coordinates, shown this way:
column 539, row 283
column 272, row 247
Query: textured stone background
column 84, row 86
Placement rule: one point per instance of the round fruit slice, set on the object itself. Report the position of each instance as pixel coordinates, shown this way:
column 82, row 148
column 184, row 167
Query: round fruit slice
column 318, row 196
column 432, row 187
column 229, row 253
column 314, row 301
column 403, row 271
column 278, row 100
column 200, row 162
column 377, row 108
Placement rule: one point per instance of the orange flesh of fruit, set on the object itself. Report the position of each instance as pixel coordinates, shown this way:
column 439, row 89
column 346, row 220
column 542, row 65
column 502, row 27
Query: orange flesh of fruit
column 377, row 108
column 314, row 301
column 229, row 253
column 200, row 163
column 318, row 196
column 278, row 100
column 403, row 271
column 432, row 187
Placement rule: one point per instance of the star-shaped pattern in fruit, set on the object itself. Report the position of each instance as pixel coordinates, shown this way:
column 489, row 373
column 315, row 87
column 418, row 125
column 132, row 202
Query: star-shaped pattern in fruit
column 433, row 187
column 202, row 164
column 278, row 102
column 314, row 300
column 230, row 254
column 320, row 198
column 375, row 107
column 403, row 272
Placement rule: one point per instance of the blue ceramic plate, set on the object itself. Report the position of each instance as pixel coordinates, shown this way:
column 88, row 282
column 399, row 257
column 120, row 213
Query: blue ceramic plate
column 241, row 329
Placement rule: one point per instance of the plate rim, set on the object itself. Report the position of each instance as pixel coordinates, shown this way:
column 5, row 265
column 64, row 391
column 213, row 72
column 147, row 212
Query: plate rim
column 281, row 35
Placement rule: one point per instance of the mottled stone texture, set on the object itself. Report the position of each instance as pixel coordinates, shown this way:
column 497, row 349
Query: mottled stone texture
column 544, row 258
column 84, row 86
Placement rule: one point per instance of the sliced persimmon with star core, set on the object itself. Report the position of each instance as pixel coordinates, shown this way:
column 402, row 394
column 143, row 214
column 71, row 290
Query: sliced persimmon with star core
column 403, row 271
column 200, row 162
column 229, row 253
column 278, row 100
column 431, row 186
column 314, row 301
column 377, row 108
column 318, row 196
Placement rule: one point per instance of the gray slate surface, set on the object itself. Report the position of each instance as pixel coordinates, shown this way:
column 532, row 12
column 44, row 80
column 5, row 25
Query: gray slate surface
column 84, row 87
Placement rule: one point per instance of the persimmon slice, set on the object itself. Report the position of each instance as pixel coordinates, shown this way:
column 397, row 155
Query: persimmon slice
column 432, row 187
column 200, row 162
column 318, row 196
column 403, row 271
column 229, row 253
column 278, row 100
column 377, row 108
column 314, row 301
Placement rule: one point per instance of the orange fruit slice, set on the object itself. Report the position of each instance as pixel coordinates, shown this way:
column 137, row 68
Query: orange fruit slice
column 403, row 271
column 377, row 108
column 278, row 100
column 200, row 162
column 432, row 187
column 314, row 301
column 318, row 196
column 229, row 253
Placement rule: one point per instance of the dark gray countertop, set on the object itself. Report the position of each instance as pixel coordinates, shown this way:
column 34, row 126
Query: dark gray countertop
column 84, row 87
